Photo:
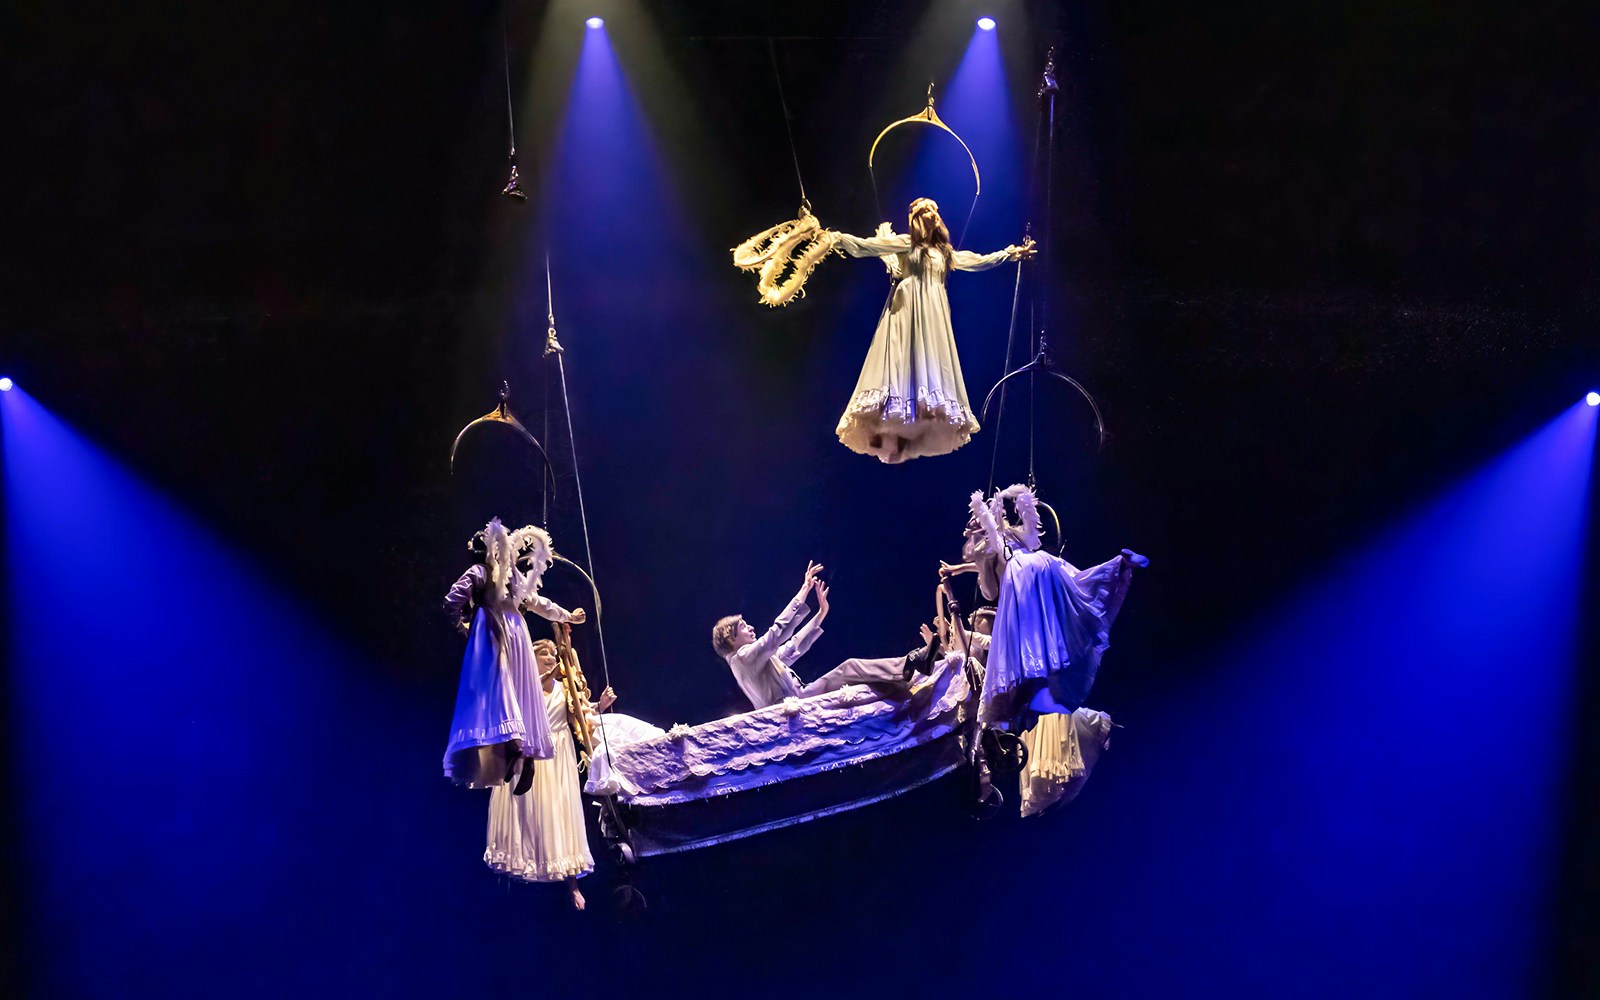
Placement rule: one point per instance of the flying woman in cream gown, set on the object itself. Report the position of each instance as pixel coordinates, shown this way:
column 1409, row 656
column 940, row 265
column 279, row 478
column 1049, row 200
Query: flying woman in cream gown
column 911, row 401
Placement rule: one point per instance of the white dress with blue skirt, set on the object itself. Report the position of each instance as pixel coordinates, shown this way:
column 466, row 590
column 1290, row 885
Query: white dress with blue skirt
column 499, row 714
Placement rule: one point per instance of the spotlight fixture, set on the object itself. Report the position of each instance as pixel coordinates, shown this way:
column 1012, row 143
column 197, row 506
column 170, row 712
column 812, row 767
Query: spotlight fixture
column 596, row 22
column 6, row 384
column 1593, row 399
column 986, row 23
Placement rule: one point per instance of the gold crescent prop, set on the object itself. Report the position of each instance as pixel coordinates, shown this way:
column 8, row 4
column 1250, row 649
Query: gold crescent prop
column 930, row 116
column 503, row 416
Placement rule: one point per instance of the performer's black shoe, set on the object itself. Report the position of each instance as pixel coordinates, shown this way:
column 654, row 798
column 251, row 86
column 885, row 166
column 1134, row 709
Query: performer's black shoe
column 524, row 782
column 511, row 768
column 922, row 661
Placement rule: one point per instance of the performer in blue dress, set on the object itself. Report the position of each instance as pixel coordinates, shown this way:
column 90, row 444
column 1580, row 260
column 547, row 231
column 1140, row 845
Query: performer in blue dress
column 500, row 718
column 1053, row 620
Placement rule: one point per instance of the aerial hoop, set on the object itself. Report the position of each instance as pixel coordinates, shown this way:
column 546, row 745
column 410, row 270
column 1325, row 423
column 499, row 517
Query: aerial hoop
column 1055, row 522
column 929, row 115
column 503, row 416
column 558, row 557
column 1041, row 363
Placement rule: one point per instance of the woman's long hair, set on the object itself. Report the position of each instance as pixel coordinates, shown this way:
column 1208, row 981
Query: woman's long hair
column 928, row 229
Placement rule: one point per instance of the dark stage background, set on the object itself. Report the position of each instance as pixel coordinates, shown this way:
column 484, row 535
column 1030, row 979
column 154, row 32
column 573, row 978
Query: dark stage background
column 1321, row 264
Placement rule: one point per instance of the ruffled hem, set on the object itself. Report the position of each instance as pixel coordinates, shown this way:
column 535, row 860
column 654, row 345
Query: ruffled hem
column 895, row 429
column 1057, row 774
column 511, row 730
column 483, row 764
column 558, row 870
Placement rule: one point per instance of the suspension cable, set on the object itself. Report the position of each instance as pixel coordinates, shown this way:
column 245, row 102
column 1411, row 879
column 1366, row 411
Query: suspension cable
column 553, row 346
column 772, row 52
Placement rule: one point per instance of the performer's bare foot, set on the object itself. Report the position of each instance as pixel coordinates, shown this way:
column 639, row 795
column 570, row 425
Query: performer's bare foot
column 577, row 897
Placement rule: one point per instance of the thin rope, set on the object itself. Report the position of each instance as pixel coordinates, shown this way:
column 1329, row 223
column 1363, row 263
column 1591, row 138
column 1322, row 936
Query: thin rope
column 551, row 317
column 505, row 59
column 1011, row 339
column 588, row 555
column 783, row 102
column 968, row 224
column 1033, row 418
column 583, row 516
column 1045, row 274
column 1033, row 191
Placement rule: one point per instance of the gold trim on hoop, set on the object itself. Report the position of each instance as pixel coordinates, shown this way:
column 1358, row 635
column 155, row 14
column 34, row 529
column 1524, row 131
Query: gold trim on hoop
column 930, row 116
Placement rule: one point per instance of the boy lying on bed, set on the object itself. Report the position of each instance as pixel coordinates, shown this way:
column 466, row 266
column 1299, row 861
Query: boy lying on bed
column 762, row 665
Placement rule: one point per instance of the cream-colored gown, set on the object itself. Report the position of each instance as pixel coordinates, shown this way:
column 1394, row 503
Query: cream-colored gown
column 1062, row 751
column 539, row 836
column 910, row 400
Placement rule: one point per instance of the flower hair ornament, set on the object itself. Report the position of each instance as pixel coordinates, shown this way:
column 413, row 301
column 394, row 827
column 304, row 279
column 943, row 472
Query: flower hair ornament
column 990, row 516
column 502, row 551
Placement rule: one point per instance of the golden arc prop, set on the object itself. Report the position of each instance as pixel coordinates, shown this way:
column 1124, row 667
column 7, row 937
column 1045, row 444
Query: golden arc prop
column 930, row 116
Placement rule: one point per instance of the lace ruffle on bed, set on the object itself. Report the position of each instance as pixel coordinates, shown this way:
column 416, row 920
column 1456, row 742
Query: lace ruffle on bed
column 785, row 741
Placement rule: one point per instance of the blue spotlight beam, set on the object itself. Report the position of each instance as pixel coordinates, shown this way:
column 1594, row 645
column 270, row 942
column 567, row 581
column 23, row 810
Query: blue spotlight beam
column 185, row 743
column 1383, row 759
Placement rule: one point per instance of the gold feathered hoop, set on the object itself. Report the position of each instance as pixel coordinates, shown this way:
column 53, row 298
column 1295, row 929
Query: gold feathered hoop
column 784, row 257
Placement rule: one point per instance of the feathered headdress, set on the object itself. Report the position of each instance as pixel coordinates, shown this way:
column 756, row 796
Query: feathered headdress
column 990, row 516
column 534, row 549
column 499, row 555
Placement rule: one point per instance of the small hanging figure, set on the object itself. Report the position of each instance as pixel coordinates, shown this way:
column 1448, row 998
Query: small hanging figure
column 911, row 400
column 1053, row 620
column 499, row 719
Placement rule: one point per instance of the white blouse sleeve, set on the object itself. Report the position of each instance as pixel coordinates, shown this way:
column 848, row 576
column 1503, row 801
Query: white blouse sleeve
column 966, row 260
column 876, row 246
column 800, row 644
column 545, row 608
column 458, row 602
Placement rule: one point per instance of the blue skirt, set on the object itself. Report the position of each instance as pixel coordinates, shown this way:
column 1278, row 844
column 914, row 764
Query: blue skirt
column 500, row 712
column 1051, row 627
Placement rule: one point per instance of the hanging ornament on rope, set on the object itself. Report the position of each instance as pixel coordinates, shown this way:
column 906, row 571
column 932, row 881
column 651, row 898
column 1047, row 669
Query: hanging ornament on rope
column 502, row 416
column 513, row 188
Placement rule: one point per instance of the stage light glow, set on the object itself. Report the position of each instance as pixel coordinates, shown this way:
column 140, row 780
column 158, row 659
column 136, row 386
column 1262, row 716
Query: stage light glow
column 1593, row 399
column 1485, row 625
column 596, row 22
column 986, row 23
column 6, row 384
